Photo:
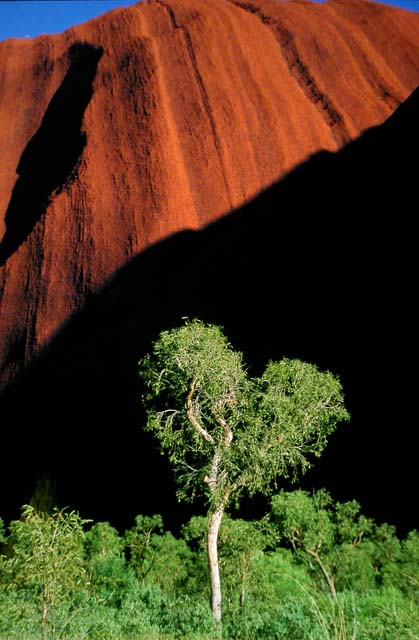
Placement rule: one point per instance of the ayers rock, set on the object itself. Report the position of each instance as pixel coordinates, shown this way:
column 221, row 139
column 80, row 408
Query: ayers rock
column 165, row 117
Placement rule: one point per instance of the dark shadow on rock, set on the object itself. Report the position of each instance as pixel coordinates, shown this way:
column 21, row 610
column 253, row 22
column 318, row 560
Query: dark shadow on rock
column 51, row 156
column 319, row 267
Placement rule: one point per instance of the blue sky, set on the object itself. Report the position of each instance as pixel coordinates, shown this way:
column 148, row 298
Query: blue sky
column 23, row 18
column 30, row 18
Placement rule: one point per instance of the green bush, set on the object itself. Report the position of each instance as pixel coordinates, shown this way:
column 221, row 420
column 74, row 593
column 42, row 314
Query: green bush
column 109, row 576
column 387, row 615
column 45, row 568
column 150, row 585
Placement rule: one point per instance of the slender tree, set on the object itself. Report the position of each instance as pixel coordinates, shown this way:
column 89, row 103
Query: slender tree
column 226, row 433
column 47, row 558
column 339, row 545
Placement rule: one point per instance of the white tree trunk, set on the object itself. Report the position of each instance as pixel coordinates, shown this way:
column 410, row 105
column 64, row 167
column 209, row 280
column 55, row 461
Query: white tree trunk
column 214, row 527
column 328, row 578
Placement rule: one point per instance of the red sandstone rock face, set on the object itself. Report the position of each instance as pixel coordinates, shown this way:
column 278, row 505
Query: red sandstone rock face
column 165, row 116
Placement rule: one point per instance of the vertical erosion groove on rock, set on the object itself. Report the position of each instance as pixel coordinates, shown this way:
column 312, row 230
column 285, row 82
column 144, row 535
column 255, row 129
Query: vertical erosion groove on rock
column 50, row 159
column 194, row 105
column 300, row 72
column 203, row 92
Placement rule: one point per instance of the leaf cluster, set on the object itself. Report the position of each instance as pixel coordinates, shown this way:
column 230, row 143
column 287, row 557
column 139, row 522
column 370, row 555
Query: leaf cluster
column 226, row 433
column 162, row 592
column 46, row 551
column 353, row 549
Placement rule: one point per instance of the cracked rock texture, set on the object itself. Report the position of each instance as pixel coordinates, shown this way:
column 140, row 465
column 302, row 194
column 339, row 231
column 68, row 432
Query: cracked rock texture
column 166, row 116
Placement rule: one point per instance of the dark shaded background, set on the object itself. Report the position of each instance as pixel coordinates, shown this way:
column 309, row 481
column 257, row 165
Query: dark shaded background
column 322, row 267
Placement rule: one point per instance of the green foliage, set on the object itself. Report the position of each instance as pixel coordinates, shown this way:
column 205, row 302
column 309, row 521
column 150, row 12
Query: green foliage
column 2, row 533
column 408, row 581
column 187, row 617
column 386, row 614
column 340, row 547
column 103, row 591
column 304, row 520
column 105, row 562
column 195, row 383
column 202, row 407
column 277, row 605
column 241, row 543
column 297, row 408
column 2, row 544
column 103, row 541
column 46, row 551
column 138, row 540
column 47, row 562
column 339, row 576
column 226, row 433
column 170, row 564
column 345, row 551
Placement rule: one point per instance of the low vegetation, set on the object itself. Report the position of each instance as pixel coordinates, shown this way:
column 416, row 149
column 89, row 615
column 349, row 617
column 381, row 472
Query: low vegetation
column 227, row 434
column 62, row 577
column 310, row 569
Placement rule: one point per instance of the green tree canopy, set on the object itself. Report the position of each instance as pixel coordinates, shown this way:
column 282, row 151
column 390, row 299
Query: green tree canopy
column 47, row 558
column 341, row 547
column 226, row 433
column 201, row 402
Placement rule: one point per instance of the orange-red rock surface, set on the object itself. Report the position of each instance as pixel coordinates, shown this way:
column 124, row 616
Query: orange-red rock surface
column 165, row 116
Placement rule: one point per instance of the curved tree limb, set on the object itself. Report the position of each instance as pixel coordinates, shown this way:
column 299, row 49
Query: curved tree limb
column 228, row 433
column 327, row 577
column 192, row 417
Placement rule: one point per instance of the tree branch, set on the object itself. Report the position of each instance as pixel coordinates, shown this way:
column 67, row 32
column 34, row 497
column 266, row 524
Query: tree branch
column 228, row 434
column 191, row 416
column 211, row 480
column 327, row 577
